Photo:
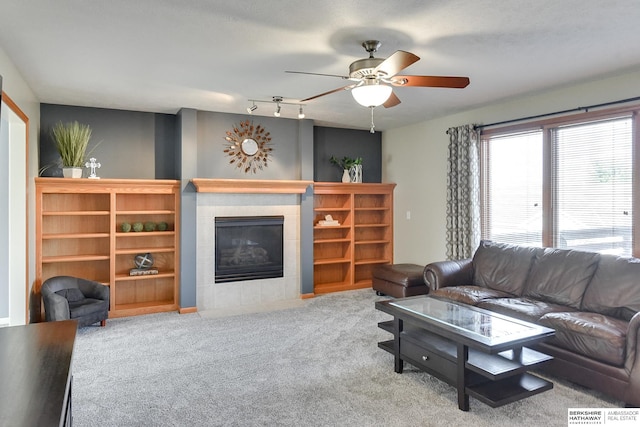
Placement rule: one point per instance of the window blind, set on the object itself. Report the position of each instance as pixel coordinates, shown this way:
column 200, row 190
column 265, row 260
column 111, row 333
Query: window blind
column 592, row 185
column 512, row 188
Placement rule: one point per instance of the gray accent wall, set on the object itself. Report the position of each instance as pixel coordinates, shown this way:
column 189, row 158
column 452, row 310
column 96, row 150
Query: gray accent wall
column 350, row 143
column 305, row 142
column 213, row 163
column 127, row 144
column 140, row 145
column 186, row 163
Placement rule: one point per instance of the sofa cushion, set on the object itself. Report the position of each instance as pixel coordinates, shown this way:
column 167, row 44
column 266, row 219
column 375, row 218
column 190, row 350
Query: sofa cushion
column 560, row 276
column 71, row 294
column 86, row 307
column 502, row 266
column 615, row 288
column 594, row 335
column 468, row 294
column 528, row 309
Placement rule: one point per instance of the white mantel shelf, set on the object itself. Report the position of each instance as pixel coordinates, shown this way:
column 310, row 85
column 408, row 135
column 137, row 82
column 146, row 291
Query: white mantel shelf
column 255, row 186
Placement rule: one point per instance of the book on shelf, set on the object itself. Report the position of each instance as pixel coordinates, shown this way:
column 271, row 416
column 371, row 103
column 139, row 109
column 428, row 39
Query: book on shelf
column 328, row 221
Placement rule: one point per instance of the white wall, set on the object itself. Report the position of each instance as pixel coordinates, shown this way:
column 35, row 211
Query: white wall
column 13, row 199
column 17, row 89
column 415, row 157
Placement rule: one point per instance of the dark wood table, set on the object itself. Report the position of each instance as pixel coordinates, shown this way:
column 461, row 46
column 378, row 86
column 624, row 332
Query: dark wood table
column 481, row 353
column 35, row 374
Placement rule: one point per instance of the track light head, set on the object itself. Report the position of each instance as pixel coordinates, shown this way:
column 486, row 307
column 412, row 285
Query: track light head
column 277, row 100
column 253, row 108
column 301, row 113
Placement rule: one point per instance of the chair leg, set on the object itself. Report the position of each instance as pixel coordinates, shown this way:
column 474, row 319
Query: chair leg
column 103, row 323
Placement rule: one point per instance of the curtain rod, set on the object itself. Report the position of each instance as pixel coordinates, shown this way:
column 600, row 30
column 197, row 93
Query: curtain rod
column 573, row 110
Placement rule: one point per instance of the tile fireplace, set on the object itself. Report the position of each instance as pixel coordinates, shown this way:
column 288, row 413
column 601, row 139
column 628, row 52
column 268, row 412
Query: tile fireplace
column 226, row 295
column 223, row 198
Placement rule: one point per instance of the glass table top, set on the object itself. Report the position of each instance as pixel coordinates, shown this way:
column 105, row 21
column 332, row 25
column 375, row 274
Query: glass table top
column 467, row 319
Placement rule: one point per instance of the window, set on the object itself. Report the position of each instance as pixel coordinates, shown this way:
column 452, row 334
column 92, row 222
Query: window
column 567, row 185
column 512, row 211
column 592, row 194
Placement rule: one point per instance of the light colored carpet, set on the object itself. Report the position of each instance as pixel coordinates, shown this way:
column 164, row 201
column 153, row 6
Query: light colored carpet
column 252, row 309
column 315, row 365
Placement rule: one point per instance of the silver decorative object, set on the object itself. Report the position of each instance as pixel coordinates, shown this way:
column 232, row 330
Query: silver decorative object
column 93, row 165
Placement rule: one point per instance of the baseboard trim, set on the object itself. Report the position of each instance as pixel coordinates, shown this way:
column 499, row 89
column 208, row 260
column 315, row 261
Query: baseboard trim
column 305, row 296
column 187, row 310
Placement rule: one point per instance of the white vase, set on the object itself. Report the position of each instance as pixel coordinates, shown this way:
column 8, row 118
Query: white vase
column 355, row 173
column 72, row 172
column 345, row 176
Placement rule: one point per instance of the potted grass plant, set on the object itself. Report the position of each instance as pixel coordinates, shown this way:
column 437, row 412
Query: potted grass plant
column 72, row 140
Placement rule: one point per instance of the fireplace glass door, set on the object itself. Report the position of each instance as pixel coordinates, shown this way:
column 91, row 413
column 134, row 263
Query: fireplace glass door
column 248, row 248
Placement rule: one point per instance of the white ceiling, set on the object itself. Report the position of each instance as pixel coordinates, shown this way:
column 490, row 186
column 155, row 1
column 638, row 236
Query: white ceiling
column 214, row 55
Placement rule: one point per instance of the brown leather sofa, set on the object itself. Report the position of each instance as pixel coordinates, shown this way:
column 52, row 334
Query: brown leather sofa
column 591, row 300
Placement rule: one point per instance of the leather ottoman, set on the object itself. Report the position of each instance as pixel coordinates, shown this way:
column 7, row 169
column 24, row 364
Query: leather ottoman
column 399, row 280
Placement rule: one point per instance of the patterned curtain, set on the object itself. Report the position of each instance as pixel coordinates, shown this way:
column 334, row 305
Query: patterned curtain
column 463, row 192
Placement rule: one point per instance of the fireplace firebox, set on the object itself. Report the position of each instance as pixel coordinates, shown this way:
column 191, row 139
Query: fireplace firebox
column 248, row 248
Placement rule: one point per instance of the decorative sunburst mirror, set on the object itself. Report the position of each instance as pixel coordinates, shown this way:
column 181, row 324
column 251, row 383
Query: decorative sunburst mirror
column 248, row 146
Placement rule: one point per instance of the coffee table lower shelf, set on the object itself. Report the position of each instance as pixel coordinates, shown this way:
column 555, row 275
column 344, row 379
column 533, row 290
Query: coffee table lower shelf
column 509, row 390
column 494, row 379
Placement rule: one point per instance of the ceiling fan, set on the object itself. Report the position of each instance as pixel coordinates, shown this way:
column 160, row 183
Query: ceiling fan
column 374, row 78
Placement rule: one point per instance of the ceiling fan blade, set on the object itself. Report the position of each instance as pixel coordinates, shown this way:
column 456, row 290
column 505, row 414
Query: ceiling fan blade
column 431, row 81
column 396, row 63
column 317, row 74
column 392, row 101
column 329, row 93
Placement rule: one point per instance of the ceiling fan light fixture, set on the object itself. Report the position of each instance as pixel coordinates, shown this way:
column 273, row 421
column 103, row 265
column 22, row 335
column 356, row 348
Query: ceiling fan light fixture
column 371, row 94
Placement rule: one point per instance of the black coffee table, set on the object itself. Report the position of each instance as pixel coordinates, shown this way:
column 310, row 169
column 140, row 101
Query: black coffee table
column 483, row 354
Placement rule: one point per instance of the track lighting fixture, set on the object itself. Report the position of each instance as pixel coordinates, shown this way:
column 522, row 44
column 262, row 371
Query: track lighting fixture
column 279, row 101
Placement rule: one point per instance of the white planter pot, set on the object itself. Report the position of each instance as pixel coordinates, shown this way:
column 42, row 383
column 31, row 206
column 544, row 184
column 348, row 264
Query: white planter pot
column 72, row 172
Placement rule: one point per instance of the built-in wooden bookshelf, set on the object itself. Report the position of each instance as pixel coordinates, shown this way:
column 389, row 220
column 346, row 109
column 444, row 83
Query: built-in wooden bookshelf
column 346, row 254
column 79, row 233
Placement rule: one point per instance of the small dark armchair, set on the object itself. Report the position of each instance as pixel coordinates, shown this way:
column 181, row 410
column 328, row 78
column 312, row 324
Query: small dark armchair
column 67, row 297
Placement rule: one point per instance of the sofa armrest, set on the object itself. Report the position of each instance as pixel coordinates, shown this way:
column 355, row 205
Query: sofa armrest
column 56, row 307
column 448, row 273
column 632, row 361
column 633, row 342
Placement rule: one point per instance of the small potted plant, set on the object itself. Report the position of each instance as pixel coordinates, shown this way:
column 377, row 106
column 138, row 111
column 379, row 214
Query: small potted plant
column 352, row 168
column 71, row 140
